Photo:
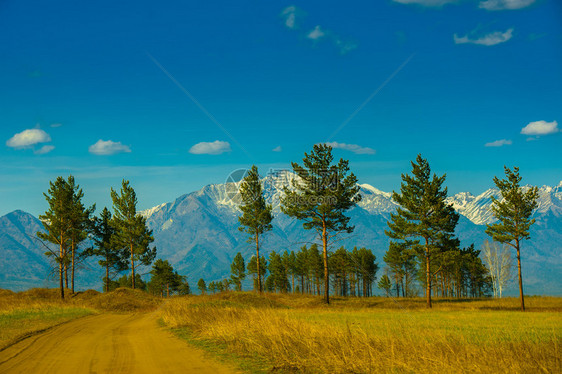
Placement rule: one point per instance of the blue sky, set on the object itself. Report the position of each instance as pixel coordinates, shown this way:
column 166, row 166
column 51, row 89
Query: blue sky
column 176, row 95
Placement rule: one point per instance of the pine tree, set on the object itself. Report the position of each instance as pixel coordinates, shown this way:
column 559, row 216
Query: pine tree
column 57, row 224
column 130, row 229
column 253, row 270
column 113, row 259
column 366, row 268
column 278, row 272
column 184, row 288
column 256, row 214
column 384, row 284
column 126, row 281
column 80, row 221
column 513, row 213
column 202, row 286
column 238, row 271
column 164, row 278
column 423, row 215
column 321, row 195
column 340, row 265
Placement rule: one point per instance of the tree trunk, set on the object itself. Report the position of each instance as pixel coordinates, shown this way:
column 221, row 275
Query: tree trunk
column 293, row 283
column 107, row 277
column 325, row 253
column 167, row 289
column 428, row 274
column 132, row 268
column 260, row 289
column 520, row 277
column 61, row 269
column 72, row 269
column 65, row 273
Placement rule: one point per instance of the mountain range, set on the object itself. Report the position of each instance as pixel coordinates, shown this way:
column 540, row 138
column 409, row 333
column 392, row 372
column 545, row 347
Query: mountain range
column 198, row 233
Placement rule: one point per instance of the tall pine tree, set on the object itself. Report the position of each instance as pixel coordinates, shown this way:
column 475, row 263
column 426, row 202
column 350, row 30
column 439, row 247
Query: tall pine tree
column 130, row 229
column 238, row 271
column 256, row 214
column 321, row 195
column 57, row 224
column 80, row 221
column 113, row 259
column 423, row 217
column 513, row 213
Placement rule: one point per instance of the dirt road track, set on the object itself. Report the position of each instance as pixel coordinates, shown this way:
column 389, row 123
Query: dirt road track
column 107, row 343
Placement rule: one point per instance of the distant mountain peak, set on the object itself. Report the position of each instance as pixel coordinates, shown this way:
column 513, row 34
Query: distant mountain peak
column 374, row 201
column 374, row 190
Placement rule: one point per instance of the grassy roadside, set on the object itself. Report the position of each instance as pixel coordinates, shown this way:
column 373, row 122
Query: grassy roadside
column 18, row 323
column 289, row 333
column 28, row 312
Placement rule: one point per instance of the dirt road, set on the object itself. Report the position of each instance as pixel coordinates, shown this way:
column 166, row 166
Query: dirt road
column 107, row 343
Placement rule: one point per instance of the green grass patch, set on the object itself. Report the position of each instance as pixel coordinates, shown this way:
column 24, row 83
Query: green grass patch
column 17, row 323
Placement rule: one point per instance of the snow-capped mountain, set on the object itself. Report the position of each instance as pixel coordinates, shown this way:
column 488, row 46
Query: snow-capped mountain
column 198, row 233
column 478, row 208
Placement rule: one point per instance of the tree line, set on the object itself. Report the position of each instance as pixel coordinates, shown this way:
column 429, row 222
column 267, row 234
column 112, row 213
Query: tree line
column 352, row 272
column 121, row 241
column 423, row 247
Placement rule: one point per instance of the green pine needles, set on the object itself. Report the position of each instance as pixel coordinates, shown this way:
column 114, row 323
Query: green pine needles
column 66, row 225
column 513, row 212
column 130, row 228
column 423, row 221
column 256, row 214
column 321, row 195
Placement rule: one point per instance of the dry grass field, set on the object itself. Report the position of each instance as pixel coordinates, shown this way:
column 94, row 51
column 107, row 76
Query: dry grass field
column 293, row 333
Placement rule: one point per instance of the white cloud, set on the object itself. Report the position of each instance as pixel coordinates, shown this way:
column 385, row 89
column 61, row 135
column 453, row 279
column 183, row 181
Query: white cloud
column 292, row 14
column 108, row 147
column 540, row 128
column 316, row 34
column 505, row 4
column 56, row 124
column 429, row 3
column 353, row 148
column 289, row 15
column 277, row 149
column 492, row 38
column 44, row 149
column 499, row 143
column 28, row 138
column 344, row 46
column 210, row 148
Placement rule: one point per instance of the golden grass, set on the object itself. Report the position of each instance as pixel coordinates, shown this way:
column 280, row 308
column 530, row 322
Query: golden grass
column 122, row 300
column 299, row 333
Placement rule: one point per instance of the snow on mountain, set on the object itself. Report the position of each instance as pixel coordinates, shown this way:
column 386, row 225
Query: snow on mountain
column 479, row 209
column 148, row 212
column 198, row 232
column 376, row 201
column 476, row 209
